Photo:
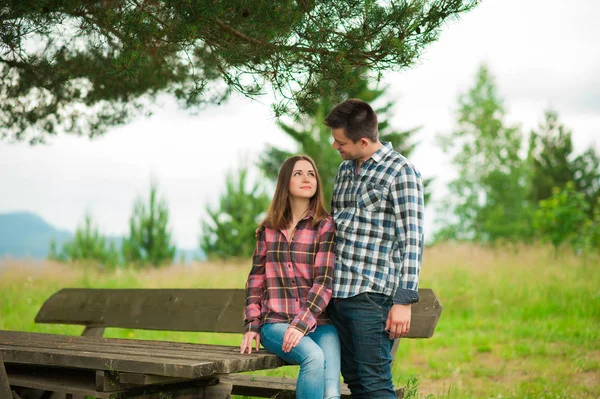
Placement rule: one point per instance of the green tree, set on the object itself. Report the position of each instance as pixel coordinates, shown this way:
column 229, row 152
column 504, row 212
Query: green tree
column 587, row 178
column 87, row 246
column 313, row 138
column 91, row 65
column 562, row 217
column 591, row 231
column 230, row 228
column 488, row 200
column 149, row 241
column 554, row 164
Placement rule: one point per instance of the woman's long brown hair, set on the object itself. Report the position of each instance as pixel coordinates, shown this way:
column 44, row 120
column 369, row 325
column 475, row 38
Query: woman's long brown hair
column 279, row 215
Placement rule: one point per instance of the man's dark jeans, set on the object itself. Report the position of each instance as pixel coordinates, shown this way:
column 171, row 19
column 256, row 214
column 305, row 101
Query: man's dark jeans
column 366, row 347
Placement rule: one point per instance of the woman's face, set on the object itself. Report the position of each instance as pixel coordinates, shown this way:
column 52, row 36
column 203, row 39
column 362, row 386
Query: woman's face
column 303, row 183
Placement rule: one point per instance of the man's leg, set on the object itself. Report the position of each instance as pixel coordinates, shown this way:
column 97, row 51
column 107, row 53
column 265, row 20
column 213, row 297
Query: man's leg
column 366, row 347
column 348, row 365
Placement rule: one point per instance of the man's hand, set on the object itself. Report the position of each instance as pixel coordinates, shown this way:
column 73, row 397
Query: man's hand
column 291, row 338
column 246, row 346
column 398, row 320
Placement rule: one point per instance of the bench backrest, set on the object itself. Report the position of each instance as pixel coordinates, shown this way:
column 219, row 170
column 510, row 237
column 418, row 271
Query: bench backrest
column 199, row 310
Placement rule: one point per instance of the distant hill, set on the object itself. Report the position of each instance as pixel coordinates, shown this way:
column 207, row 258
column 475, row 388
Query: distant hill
column 25, row 234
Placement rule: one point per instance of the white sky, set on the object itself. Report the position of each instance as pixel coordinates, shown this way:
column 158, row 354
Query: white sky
column 543, row 53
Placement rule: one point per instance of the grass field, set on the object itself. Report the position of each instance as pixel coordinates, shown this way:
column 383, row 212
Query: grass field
column 515, row 324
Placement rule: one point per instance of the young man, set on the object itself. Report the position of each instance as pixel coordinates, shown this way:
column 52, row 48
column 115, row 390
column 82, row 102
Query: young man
column 377, row 208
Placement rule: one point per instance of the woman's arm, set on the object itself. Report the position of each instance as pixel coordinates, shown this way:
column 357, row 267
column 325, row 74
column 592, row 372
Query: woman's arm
column 255, row 285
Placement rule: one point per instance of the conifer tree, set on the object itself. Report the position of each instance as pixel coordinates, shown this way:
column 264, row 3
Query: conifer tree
column 87, row 246
column 488, row 201
column 90, row 65
column 149, row 241
column 230, row 229
column 313, row 138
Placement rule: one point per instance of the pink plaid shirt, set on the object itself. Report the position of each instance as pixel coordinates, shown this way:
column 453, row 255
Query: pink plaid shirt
column 290, row 282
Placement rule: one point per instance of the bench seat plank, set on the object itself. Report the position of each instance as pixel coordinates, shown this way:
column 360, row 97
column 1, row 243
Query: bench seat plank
column 273, row 386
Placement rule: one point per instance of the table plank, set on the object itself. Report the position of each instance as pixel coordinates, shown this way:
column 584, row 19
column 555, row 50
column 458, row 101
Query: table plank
column 157, row 348
column 78, row 382
column 162, row 358
column 81, row 383
column 114, row 363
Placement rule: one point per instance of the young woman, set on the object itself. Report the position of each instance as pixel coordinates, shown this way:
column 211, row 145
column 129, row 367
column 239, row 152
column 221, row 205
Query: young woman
column 289, row 286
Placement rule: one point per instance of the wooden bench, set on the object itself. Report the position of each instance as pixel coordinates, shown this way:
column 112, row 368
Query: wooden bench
column 5, row 391
column 194, row 310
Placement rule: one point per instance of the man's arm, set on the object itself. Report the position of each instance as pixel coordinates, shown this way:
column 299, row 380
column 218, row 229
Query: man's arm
column 408, row 203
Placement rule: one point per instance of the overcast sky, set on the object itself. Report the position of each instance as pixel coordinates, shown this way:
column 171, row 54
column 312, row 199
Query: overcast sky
column 543, row 53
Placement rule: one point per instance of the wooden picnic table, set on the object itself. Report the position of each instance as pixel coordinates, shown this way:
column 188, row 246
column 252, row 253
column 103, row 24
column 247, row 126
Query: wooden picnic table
column 104, row 367
column 125, row 368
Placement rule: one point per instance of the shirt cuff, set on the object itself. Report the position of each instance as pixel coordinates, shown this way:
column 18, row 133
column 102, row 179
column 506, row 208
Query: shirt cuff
column 405, row 297
column 253, row 326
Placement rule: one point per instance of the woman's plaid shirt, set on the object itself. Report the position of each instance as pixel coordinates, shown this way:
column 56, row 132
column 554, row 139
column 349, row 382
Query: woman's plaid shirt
column 290, row 282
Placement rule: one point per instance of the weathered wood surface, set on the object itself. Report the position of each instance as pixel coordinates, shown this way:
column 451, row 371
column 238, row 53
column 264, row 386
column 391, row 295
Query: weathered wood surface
column 138, row 362
column 279, row 387
column 207, row 310
column 4, row 385
column 80, row 383
column 170, row 359
column 424, row 315
column 145, row 379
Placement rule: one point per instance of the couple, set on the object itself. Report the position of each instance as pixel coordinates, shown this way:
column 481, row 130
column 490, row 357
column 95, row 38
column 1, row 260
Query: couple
column 334, row 292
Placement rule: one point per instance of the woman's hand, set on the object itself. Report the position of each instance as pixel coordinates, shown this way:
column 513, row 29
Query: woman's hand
column 291, row 338
column 246, row 346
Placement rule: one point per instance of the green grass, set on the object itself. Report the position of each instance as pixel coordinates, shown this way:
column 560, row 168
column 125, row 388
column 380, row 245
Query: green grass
column 514, row 325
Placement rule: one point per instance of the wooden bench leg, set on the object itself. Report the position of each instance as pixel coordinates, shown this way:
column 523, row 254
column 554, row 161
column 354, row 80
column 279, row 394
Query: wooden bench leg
column 5, row 391
column 220, row 391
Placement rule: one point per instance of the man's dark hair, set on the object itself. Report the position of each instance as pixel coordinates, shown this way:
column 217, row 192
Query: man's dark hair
column 356, row 117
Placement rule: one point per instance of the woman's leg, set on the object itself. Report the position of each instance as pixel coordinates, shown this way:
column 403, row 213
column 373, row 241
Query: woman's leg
column 311, row 381
column 326, row 336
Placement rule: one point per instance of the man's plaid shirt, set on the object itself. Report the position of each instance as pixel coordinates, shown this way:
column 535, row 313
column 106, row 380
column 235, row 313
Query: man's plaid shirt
column 379, row 227
column 291, row 282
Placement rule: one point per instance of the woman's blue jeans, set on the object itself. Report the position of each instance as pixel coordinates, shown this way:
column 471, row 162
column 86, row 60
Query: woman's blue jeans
column 318, row 355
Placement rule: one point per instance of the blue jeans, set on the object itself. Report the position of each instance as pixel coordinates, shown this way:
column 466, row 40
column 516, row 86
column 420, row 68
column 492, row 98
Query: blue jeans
column 318, row 355
column 366, row 347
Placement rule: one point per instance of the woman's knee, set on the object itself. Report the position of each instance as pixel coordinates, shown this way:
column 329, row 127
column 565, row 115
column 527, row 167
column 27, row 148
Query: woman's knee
column 314, row 360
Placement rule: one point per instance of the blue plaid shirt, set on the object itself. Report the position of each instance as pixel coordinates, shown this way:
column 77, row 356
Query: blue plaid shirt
column 378, row 218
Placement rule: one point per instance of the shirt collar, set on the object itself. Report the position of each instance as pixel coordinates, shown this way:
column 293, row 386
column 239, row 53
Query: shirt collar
column 308, row 215
column 385, row 149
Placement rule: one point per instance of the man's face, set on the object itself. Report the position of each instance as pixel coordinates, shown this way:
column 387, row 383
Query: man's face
column 347, row 149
